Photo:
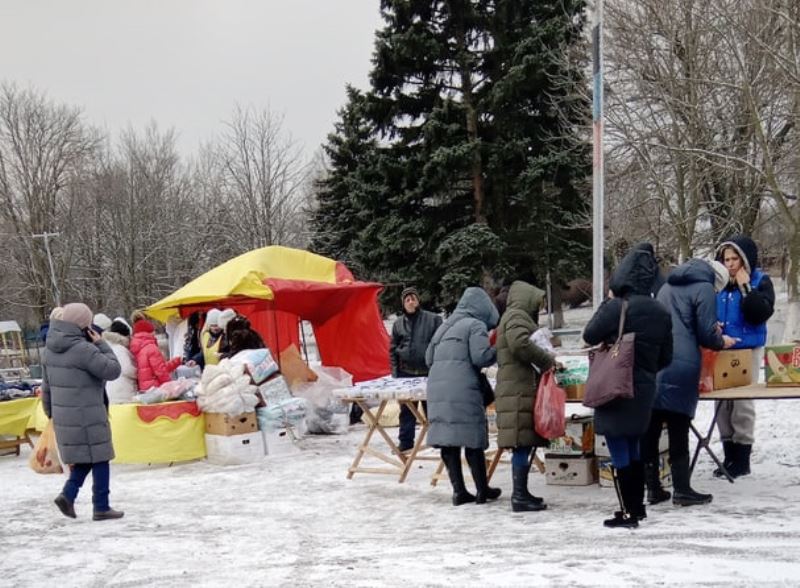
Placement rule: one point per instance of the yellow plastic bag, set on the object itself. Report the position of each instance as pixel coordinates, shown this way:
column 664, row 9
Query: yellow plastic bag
column 44, row 459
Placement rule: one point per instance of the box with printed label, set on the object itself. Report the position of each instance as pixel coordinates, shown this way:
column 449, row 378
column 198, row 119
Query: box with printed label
column 225, row 424
column 281, row 441
column 782, row 364
column 578, row 438
column 235, row 449
column 601, row 447
column 563, row 470
column 732, row 368
column 606, row 480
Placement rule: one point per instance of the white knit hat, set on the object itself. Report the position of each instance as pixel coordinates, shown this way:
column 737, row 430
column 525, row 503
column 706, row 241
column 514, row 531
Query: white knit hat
column 721, row 275
column 102, row 321
column 226, row 316
column 212, row 318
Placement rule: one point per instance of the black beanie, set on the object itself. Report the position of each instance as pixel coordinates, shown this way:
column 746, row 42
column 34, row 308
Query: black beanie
column 120, row 328
column 408, row 291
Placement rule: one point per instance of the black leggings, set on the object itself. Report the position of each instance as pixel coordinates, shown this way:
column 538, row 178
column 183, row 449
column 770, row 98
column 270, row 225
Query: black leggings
column 677, row 431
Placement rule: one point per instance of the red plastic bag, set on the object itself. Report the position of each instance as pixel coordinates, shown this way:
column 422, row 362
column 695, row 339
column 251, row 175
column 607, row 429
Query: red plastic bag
column 708, row 359
column 44, row 458
column 548, row 410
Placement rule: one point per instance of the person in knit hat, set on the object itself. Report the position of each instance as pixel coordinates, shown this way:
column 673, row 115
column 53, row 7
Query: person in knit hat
column 411, row 334
column 211, row 338
column 123, row 389
column 152, row 369
column 76, row 365
column 101, row 322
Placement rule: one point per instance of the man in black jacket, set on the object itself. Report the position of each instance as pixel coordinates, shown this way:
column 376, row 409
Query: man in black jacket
column 411, row 333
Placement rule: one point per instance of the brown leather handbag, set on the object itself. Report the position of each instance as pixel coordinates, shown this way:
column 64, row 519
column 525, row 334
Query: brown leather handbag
column 611, row 368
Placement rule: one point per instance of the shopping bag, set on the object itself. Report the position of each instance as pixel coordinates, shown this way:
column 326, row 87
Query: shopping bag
column 709, row 358
column 611, row 368
column 44, row 459
column 548, row 411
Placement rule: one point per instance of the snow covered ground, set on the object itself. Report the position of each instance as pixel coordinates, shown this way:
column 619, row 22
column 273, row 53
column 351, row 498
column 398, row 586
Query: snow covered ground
column 298, row 521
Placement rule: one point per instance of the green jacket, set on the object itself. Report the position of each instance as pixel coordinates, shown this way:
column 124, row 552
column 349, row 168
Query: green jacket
column 516, row 378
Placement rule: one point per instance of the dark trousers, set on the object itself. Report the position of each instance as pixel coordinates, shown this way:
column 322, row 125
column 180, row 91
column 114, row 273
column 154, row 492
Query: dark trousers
column 101, row 474
column 624, row 450
column 408, row 424
column 677, row 430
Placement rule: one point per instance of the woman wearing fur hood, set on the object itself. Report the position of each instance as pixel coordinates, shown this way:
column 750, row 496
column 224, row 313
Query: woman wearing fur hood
column 118, row 337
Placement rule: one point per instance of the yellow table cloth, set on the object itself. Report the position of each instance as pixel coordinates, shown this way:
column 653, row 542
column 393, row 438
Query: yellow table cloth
column 15, row 416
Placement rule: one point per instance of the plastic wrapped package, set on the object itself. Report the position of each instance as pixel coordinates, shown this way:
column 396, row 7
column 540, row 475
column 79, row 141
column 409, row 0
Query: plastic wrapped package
column 275, row 390
column 288, row 413
column 326, row 413
column 257, row 362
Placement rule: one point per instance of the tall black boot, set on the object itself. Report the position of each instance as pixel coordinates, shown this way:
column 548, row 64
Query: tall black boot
column 623, row 485
column 451, row 456
column 636, row 505
column 655, row 491
column 476, row 459
column 521, row 499
column 729, row 450
column 684, row 495
column 740, row 465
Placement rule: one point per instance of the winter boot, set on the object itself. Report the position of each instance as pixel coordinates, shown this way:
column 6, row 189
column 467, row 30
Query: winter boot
column 66, row 507
column 521, row 499
column 728, row 449
column 683, row 494
column 655, row 492
column 476, row 459
column 740, row 465
column 107, row 515
column 451, row 456
column 636, row 492
column 622, row 484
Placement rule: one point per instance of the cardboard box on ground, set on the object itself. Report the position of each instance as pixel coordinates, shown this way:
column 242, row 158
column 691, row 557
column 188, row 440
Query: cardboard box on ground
column 235, row 449
column 569, row 470
column 578, row 439
column 782, row 364
column 606, row 479
column 227, row 425
column 601, row 448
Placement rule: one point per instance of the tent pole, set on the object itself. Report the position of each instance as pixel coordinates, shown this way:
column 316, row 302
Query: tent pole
column 303, row 337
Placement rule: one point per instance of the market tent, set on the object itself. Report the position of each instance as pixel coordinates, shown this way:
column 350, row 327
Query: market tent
column 276, row 287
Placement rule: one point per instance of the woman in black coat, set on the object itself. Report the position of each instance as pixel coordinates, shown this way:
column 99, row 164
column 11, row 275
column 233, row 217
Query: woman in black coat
column 624, row 421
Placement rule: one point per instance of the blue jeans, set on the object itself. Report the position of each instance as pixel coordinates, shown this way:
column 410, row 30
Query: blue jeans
column 520, row 457
column 101, row 474
column 623, row 450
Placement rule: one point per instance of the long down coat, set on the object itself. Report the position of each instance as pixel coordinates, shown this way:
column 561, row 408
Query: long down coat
column 650, row 320
column 459, row 348
column 73, row 390
column 516, row 377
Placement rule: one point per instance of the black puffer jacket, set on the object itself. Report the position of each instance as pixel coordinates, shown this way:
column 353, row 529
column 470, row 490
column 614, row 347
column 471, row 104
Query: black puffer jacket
column 633, row 280
column 410, row 337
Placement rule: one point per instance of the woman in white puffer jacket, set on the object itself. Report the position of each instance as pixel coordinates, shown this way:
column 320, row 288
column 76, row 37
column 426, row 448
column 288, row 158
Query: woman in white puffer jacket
column 118, row 337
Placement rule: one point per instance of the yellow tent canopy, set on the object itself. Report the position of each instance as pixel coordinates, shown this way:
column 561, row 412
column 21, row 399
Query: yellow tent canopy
column 244, row 276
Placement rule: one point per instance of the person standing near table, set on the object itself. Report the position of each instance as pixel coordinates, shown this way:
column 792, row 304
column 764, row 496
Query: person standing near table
column 743, row 308
column 411, row 334
column 456, row 412
column 76, row 365
column 624, row 421
column 520, row 361
column 690, row 296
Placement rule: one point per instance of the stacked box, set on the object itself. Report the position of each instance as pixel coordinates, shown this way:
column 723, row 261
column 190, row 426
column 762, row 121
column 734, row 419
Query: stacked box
column 782, row 364
column 562, row 470
column 606, row 480
column 227, row 425
column 601, row 448
column 281, row 441
column 578, row 438
column 235, row 449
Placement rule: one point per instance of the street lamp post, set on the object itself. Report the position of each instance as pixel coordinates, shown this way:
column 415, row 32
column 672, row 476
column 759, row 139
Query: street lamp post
column 598, row 237
column 46, row 236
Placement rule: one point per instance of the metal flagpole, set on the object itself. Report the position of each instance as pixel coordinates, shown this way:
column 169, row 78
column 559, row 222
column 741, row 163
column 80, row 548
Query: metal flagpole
column 598, row 238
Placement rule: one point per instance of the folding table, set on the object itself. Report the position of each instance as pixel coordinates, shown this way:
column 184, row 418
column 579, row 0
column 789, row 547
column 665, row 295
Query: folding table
column 15, row 416
column 750, row 392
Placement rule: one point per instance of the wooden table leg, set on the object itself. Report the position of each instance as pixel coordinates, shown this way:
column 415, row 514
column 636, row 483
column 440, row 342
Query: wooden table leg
column 373, row 420
column 420, row 439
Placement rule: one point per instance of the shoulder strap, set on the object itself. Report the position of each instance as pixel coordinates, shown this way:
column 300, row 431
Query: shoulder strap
column 622, row 314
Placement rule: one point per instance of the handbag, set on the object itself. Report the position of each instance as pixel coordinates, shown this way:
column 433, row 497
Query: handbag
column 611, row 368
column 487, row 392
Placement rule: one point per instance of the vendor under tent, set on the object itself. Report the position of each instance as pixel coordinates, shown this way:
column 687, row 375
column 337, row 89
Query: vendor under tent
column 276, row 288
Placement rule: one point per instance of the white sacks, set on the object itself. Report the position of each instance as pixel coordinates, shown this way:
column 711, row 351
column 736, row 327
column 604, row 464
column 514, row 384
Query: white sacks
column 225, row 388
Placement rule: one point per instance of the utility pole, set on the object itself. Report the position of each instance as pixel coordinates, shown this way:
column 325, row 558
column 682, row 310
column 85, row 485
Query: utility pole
column 46, row 237
column 598, row 216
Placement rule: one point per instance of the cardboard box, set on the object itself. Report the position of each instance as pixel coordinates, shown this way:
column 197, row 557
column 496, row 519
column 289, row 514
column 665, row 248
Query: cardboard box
column 563, row 470
column 601, row 448
column 782, row 364
column 235, row 449
column 606, row 480
column 575, row 391
column 224, row 424
column 733, row 367
column 282, row 441
column 578, row 438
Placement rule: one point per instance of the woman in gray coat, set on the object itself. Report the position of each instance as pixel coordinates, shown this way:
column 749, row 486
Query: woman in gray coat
column 459, row 349
column 77, row 363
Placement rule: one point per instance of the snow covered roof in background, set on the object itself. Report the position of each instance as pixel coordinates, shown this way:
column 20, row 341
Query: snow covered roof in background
column 9, row 326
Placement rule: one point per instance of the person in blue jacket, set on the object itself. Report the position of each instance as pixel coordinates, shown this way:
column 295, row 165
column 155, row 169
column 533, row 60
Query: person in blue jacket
column 690, row 296
column 743, row 308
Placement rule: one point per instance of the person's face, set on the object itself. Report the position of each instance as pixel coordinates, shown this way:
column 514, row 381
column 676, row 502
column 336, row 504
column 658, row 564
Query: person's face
column 732, row 261
column 410, row 304
column 215, row 330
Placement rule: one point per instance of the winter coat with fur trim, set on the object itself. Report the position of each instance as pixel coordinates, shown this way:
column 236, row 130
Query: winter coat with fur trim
column 121, row 390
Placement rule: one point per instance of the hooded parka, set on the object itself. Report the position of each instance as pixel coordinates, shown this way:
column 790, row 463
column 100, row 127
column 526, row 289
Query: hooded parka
column 633, row 281
column 73, row 392
column 459, row 349
column 516, row 377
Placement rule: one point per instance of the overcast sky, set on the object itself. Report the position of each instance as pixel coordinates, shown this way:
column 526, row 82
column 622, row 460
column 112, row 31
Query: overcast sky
column 186, row 63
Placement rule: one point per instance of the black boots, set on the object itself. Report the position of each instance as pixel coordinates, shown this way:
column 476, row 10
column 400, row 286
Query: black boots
column 655, row 492
column 107, row 515
column 625, row 480
column 476, row 458
column 451, row 456
column 521, row 499
column 684, row 495
column 66, row 507
column 737, row 459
